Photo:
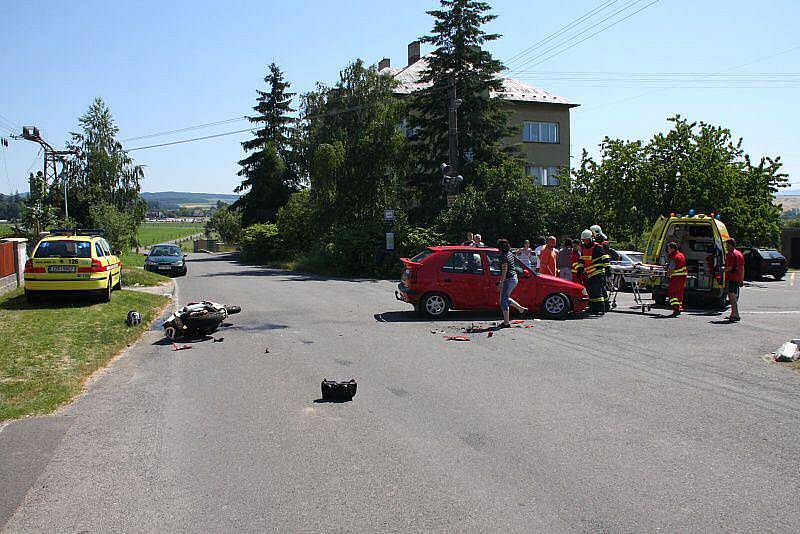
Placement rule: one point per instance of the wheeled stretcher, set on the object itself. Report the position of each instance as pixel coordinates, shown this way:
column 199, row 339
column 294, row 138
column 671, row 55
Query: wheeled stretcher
column 638, row 275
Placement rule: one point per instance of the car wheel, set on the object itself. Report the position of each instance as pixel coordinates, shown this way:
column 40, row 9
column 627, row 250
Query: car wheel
column 105, row 294
column 184, row 271
column 434, row 305
column 556, row 306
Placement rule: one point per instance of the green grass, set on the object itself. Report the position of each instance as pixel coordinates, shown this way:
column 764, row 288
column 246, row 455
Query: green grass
column 132, row 276
column 49, row 350
column 152, row 233
column 132, row 259
column 5, row 230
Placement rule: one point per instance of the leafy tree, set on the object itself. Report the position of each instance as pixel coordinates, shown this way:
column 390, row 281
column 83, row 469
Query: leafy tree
column 693, row 166
column 102, row 173
column 119, row 226
column 458, row 58
column 357, row 155
column 268, row 171
column 227, row 223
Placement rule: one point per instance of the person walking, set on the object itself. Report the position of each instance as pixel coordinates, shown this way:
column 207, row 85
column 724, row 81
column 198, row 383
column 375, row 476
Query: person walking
column 564, row 260
column 508, row 281
column 676, row 270
column 526, row 254
column 547, row 258
column 734, row 274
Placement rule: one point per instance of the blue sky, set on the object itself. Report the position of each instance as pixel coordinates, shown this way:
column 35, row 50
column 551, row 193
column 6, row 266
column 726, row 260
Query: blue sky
column 168, row 65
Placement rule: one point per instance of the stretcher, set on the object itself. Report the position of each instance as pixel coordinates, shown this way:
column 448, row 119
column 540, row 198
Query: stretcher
column 638, row 275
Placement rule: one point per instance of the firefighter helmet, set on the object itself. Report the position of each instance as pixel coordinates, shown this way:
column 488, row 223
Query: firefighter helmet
column 595, row 228
column 586, row 234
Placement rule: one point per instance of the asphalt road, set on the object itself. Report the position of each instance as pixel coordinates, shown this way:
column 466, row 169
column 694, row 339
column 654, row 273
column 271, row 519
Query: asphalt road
column 626, row 423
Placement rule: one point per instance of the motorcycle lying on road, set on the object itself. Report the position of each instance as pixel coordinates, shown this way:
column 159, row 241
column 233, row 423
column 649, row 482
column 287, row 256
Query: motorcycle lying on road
column 197, row 319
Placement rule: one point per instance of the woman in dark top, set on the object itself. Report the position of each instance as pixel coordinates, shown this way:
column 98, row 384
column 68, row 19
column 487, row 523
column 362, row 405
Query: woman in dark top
column 508, row 281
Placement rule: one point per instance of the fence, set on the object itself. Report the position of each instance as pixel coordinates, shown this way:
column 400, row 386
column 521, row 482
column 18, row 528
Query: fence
column 12, row 263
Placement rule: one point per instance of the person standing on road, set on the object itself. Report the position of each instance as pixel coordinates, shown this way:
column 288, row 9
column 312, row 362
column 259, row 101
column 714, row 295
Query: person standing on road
column 676, row 270
column 593, row 264
column 508, row 281
column 526, row 254
column 564, row 260
column 547, row 258
column 734, row 274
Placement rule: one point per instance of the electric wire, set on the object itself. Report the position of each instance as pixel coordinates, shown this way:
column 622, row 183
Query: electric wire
column 536, row 61
column 517, row 57
column 186, row 129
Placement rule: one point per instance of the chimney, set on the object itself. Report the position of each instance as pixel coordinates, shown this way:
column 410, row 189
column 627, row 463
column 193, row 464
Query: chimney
column 385, row 63
column 413, row 52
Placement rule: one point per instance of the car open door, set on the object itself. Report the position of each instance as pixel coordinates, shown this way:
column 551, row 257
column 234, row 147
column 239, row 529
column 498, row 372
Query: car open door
column 653, row 248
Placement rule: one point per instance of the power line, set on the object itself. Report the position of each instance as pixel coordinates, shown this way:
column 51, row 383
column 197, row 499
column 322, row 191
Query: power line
column 558, row 32
column 746, row 64
column 186, row 129
column 189, row 140
column 39, row 153
column 530, row 63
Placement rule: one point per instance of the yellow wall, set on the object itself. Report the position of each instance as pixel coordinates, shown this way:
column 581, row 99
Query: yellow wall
column 541, row 154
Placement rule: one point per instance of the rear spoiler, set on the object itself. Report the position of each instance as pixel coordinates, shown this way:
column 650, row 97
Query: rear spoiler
column 408, row 262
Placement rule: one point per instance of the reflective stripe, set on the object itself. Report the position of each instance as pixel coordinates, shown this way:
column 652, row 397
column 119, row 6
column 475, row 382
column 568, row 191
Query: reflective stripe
column 598, row 299
column 680, row 272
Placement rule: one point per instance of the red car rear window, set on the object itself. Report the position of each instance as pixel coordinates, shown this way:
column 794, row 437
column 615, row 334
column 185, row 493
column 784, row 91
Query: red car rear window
column 422, row 256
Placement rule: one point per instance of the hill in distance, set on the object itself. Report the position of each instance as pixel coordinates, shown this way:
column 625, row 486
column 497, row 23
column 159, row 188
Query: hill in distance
column 181, row 199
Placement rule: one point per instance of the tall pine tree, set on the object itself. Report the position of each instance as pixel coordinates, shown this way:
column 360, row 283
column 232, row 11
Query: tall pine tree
column 268, row 172
column 458, row 58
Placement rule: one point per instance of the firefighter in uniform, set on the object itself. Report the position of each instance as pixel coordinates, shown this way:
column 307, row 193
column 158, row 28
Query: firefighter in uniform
column 602, row 240
column 676, row 270
column 593, row 263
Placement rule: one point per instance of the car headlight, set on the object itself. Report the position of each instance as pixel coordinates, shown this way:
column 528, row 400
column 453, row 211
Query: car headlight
column 584, row 292
column 148, row 262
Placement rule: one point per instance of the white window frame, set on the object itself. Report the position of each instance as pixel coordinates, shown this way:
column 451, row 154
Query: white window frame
column 545, row 176
column 541, row 132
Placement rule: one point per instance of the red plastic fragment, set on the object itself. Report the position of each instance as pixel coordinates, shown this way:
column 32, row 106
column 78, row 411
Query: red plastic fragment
column 456, row 338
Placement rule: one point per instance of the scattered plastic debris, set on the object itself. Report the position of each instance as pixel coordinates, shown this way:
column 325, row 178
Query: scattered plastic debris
column 266, row 351
column 184, row 347
column 218, row 340
column 518, row 321
column 456, row 338
column 490, row 334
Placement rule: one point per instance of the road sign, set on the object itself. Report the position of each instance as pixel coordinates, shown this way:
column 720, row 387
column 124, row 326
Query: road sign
column 389, row 240
column 389, row 215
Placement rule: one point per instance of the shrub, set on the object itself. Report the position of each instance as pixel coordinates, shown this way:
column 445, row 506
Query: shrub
column 296, row 220
column 261, row 242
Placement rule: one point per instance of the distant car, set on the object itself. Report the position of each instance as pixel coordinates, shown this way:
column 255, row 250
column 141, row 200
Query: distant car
column 629, row 258
column 166, row 259
column 465, row 278
column 763, row 261
column 69, row 263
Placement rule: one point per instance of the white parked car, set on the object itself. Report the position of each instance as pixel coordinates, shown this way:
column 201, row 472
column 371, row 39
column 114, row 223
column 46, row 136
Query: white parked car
column 629, row 258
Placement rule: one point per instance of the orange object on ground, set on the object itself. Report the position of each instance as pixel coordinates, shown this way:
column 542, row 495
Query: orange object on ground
column 456, row 338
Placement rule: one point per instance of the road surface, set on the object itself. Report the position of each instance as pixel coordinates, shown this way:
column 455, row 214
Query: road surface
column 626, row 423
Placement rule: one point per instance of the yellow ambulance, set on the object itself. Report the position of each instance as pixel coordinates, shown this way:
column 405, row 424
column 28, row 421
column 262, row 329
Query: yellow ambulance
column 701, row 238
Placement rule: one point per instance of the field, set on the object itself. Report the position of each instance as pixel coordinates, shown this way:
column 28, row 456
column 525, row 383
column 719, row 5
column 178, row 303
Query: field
column 41, row 367
column 152, row 233
column 5, row 229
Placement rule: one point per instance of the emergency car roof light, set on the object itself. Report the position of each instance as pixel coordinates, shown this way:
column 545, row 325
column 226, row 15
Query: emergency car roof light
column 719, row 218
column 691, row 213
column 62, row 231
column 90, row 231
column 672, row 214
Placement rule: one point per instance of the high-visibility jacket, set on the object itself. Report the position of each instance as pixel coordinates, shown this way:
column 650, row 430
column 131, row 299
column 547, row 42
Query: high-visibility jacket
column 677, row 264
column 593, row 260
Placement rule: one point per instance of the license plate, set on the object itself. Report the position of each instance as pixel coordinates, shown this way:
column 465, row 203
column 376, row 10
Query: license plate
column 165, row 267
column 61, row 269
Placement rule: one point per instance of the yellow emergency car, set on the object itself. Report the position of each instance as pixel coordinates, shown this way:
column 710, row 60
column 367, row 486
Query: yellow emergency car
column 701, row 238
column 72, row 262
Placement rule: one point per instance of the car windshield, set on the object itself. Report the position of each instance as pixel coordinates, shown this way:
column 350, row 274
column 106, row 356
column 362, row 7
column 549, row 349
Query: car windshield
column 634, row 258
column 770, row 254
column 165, row 251
column 64, row 249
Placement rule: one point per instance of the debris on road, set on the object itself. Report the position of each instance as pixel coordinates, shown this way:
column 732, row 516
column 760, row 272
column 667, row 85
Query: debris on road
column 266, row 351
column 197, row 319
column 456, row 338
column 184, row 347
column 338, row 391
column 218, row 340
column 787, row 353
column 490, row 334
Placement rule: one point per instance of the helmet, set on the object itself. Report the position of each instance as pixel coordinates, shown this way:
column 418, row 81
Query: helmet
column 134, row 318
column 586, row 234
column 595, row 228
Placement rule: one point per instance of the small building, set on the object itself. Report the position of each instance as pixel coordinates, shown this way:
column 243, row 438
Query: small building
column 541, row 118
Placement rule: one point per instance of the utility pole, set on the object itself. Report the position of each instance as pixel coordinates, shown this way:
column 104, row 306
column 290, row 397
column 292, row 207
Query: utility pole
column 452, row 121
column 52, row 158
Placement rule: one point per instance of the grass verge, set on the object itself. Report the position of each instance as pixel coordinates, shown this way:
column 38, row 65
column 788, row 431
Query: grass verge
column 133, row 275
column 49, row 350
column 152, row 233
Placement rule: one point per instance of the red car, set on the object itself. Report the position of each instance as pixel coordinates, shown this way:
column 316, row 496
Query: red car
column 465, row 278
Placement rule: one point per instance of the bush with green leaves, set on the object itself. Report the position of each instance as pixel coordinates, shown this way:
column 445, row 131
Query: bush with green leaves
column 227, row 223
column 119, row 227
column 261, row 243
column 297, row 220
